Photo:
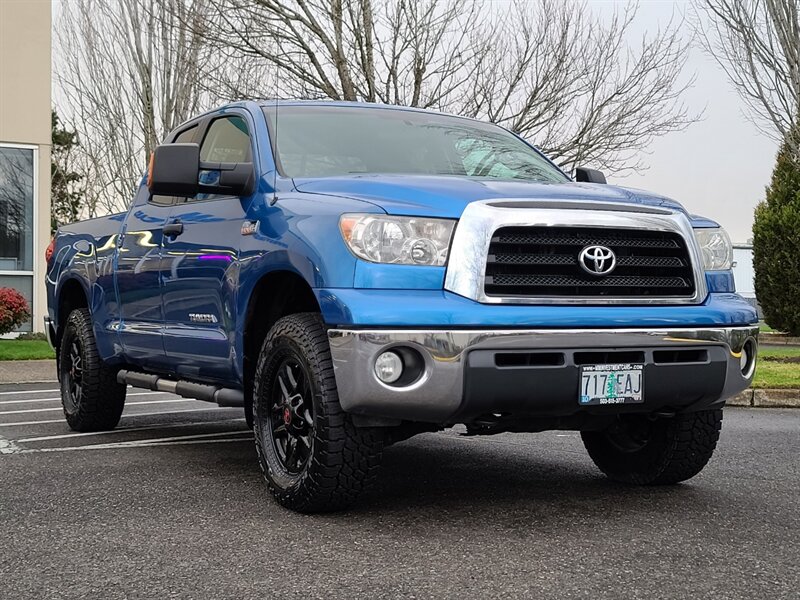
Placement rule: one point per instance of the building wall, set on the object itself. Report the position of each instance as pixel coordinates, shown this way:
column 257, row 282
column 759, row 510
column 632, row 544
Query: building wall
column 25, row 102
column 743, row 272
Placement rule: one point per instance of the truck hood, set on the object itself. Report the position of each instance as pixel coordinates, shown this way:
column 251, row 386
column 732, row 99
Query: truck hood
column 447, row 196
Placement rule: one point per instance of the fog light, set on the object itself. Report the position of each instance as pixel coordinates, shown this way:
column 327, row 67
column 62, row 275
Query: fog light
column 388, row 367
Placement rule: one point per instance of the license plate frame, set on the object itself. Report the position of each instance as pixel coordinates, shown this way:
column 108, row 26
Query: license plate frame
column 595, row 387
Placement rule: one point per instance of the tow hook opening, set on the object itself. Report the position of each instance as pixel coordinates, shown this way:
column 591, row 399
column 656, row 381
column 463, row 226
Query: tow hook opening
column 747, row 359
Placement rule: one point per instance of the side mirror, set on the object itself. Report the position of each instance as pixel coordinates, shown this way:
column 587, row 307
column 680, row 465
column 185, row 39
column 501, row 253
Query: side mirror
column 589, row 175
column 176, row 170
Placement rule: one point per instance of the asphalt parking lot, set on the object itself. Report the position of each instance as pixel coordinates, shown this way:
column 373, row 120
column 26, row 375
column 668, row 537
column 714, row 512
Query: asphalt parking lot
column 171, row 504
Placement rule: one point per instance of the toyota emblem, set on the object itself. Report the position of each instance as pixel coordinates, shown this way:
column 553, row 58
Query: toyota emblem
column 597, row 260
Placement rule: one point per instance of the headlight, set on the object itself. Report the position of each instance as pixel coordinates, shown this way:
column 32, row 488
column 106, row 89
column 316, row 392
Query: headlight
column 716, row 247
column 398, row 240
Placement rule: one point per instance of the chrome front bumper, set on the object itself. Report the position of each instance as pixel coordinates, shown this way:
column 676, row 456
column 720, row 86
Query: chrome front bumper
column 439, row 395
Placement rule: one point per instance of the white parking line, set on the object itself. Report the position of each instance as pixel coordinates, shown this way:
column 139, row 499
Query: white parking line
column 29, row 392
column 29, row 400
column 150, row 414
column 59, row 398
column 122, row 446
column 144, row 443
column 173, row 438
column 34, row 410
column 43, row 391
column 128, row 430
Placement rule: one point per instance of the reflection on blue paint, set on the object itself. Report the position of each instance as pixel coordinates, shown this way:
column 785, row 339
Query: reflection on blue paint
column 197, row 217
column 224, row 257
column 209, row 177
column 144, row 217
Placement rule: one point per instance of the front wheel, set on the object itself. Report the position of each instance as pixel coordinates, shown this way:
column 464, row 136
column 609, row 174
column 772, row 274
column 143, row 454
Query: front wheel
column 91, row 397
column 313, row 458
column 655, row 451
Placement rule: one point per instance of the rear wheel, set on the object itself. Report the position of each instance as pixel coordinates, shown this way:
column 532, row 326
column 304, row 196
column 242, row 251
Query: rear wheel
column 313, row 458
column 91, row 397
column 655, row 451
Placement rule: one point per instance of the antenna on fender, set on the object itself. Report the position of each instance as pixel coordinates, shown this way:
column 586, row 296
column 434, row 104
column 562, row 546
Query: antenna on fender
column 274, row 140
column 274, row 198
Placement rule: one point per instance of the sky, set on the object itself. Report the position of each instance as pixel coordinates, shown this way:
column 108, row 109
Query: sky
column 718, row 167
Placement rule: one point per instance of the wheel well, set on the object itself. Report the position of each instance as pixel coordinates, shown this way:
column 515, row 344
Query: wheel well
column 276, row 295
column 70, row 298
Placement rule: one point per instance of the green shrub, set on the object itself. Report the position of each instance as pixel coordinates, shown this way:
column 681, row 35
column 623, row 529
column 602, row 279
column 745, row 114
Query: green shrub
column 776, row 246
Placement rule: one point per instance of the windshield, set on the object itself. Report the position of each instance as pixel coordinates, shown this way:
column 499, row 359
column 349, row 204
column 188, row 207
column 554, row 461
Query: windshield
column 324, row 141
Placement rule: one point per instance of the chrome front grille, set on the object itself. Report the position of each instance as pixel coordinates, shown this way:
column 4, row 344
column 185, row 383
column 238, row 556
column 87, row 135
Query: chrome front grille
column 510, row 251
column 544, row 262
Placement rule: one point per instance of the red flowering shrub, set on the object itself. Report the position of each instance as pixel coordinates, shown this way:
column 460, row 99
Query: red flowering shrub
column 14, row 310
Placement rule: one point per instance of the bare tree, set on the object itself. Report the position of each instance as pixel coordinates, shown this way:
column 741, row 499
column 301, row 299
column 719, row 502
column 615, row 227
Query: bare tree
column 572, row 84
column 128, row 72
column 577, row 85
column 757, row 43
column 551, row 71
column 413, row 53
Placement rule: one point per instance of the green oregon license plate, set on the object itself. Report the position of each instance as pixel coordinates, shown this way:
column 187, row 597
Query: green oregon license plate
column 611, row 384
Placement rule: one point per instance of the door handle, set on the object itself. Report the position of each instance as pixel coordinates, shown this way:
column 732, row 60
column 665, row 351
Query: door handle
column 172, row 229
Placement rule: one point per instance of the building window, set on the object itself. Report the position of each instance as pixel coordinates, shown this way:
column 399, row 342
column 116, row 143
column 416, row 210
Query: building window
column 16, row 209
column 17, row 220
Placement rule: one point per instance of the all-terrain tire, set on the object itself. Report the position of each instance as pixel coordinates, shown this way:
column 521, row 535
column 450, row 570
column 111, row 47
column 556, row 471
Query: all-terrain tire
column 93, row 401
column 675, row 449
column 341, row 460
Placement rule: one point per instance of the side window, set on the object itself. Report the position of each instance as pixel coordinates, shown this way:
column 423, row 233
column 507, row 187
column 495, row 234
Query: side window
column 184, row 137
column 227, row 140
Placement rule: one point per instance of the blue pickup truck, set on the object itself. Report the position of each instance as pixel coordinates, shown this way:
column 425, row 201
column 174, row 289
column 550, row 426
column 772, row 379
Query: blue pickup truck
column 354, row 274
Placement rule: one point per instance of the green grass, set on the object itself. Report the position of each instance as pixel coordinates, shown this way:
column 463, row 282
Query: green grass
column 25, row 350
column 762, row 326
column 773, row 374
column 777, row 375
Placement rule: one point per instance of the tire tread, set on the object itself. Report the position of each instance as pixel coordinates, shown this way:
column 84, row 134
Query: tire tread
column 682, row 448
column 102, row 397
column 346, row 458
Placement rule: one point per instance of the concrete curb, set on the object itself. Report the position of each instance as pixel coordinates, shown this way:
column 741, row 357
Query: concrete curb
column 778, row 339
column 767, row 398
column 27, row 371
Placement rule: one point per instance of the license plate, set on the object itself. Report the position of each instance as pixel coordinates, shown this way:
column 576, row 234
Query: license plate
column 611, row 384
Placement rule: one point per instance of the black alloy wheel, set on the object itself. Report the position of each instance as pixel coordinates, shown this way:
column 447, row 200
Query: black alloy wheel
column 72, row 370
column 630, row 433
column 292, row 415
